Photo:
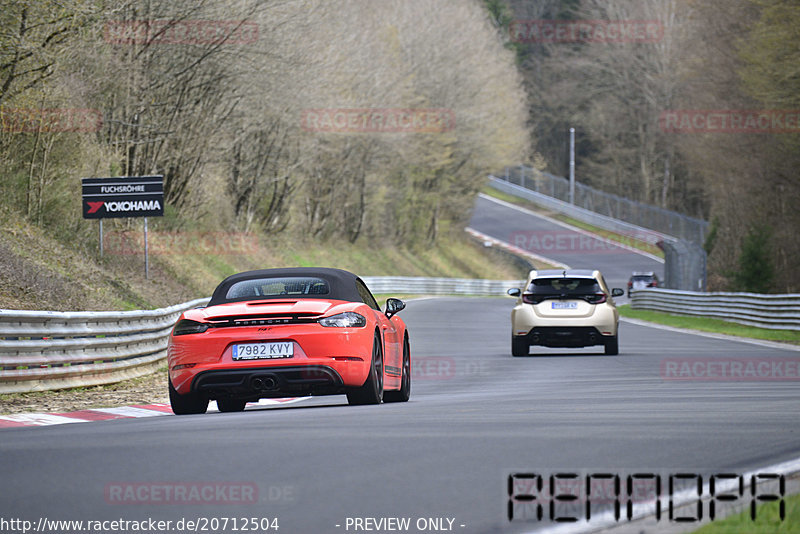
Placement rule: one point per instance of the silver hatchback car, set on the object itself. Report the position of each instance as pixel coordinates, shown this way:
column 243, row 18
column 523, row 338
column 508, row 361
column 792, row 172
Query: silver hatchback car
column 564, row 308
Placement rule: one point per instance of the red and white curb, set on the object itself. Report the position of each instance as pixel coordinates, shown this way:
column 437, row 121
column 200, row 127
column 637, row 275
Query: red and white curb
column 106, row 414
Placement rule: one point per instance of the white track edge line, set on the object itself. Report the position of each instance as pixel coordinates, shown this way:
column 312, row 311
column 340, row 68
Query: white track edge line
column 712, row 335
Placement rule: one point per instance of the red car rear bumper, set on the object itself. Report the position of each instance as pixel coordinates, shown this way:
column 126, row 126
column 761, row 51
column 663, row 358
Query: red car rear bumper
column 326, row 360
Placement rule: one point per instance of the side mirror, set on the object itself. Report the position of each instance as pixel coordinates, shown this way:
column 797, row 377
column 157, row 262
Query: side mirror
column 393, row 306
column 514, row 292
column 617, row 292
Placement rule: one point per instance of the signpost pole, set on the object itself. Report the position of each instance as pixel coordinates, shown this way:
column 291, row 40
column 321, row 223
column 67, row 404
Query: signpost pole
column 101, row 238
column 146, row 257
column 572, row 165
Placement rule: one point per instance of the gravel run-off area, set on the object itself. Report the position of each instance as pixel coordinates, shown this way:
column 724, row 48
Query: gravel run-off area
column 150, row 389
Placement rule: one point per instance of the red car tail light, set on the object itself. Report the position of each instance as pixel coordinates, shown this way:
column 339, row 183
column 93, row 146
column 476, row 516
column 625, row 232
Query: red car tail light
column 187, row 326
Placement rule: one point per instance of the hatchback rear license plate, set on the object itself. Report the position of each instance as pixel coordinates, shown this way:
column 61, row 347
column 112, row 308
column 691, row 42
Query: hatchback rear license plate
column 564, row 305
column 263, row 351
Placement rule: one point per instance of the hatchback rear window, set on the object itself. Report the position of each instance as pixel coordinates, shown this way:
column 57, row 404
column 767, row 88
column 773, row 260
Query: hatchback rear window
column 564, row 286
column 275, row 287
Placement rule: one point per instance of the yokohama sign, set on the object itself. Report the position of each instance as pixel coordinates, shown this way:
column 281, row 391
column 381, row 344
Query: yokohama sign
column 132, row 196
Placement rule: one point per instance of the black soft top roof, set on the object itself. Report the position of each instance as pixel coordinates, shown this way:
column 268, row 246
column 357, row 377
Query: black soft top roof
column 342, row 283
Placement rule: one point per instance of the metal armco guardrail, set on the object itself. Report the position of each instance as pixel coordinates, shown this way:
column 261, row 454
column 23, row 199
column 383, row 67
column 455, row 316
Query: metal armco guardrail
column 685, row 260
column 778, row 312
column 44, row 350
column 613, row 206
column 601, row 221
column 410, row 285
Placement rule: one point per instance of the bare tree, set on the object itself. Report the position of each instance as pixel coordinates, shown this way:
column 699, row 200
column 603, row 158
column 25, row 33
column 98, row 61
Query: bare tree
column 34, row 35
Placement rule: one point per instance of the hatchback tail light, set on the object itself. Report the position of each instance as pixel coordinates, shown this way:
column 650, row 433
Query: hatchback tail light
column 531, row 299
column 597, row 298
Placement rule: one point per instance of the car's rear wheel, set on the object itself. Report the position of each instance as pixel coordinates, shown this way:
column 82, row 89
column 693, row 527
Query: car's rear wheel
column 612, row 346
column 191, row 403
column 519, row 346
column 231, row 405
column 372, row 390
column 405, row 389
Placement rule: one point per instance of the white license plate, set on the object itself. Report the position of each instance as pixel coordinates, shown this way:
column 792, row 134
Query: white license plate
column 564, row 305
column 263, row 351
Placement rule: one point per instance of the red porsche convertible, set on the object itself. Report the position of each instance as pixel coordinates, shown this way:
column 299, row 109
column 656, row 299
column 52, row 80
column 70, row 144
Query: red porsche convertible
column 287, row 333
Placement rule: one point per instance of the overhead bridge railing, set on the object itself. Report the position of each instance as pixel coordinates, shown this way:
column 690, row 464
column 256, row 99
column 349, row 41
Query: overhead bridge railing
column 43, row 350
column 778, row 312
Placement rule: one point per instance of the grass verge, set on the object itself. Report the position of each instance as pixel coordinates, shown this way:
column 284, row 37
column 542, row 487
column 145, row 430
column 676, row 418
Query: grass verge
column 767, row 520
column 619, row 238
column 38, row 272
column 706, row 324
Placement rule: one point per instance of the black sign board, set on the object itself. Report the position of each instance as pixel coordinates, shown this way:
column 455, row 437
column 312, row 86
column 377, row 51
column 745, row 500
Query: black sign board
column 128, row 196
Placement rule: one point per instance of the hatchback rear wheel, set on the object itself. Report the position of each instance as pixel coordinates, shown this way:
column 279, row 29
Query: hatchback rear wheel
column 519, row 346
column 612, row 346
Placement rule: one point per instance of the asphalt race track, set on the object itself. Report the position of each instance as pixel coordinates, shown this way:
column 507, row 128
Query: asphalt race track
column 476, row 414
column 544, row 237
